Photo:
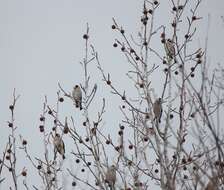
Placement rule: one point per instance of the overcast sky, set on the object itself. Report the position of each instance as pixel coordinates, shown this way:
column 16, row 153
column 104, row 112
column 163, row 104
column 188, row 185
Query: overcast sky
column 41, row 44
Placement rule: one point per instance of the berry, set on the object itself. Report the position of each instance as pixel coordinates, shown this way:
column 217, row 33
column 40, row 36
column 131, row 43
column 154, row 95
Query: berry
column 141, row 85
column 150, row 11
column 174, row 24
column 41, row 127
column 24, row 142
column 115, row 45
column 23, row 173
column 155, row 2
column 9, row 151
column 10, row 125
column 146, row 139
column 61, row 99
column 185, row 177
column 85, row 36
column 117, row 148
column 174, row 9
column 132, row 51
column 122, row 127
column 120, row 132
column 194, row 18
column 66, row 130
column 113, row 27
column 163, row 35
column 11, row 107
column 198, row 55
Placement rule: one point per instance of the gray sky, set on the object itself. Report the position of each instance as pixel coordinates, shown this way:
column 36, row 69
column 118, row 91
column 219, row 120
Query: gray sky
column 41, row 44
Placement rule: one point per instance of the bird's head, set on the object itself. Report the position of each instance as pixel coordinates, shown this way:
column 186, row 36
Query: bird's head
column 159, row 100
column 76, row 86
column 113, row 167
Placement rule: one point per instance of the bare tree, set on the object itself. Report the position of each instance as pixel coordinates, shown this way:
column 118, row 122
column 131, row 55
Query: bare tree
column 169, row 138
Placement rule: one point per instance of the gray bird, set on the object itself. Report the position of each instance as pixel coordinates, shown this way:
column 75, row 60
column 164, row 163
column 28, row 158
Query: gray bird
column 170, row 49
column 77, row 96
column 157, row 109
column 110, row 177
column 59, row 145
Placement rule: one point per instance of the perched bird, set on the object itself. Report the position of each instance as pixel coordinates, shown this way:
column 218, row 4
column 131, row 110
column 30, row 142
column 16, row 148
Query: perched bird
column 212, row 184
column 59, row 145
column 111, row 176
column 77, row 96
column 157, row 109
column 169, row 48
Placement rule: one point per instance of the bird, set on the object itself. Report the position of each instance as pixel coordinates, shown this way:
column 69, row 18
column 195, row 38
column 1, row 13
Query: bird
column 111, row 176
column 170, row 49
column 212, row 184
column 59, row 145
column 77, row 96
column 157, row 109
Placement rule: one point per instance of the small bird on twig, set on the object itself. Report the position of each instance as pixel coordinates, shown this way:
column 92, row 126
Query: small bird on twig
column 170, row 49
column 111, row 176
column 77, row 96
column 59, row 145
column 157, row 109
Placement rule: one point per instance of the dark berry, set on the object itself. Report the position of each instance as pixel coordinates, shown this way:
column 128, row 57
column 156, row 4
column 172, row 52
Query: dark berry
column 115, row 45
column 85, row 36
column 61, row 99
column 24, row 142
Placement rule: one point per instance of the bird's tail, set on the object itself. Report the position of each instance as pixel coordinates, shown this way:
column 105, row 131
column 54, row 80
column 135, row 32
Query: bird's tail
column 80, row 106
column 76, row 104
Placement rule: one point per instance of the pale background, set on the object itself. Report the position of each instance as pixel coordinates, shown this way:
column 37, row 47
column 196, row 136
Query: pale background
column 41, row 44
